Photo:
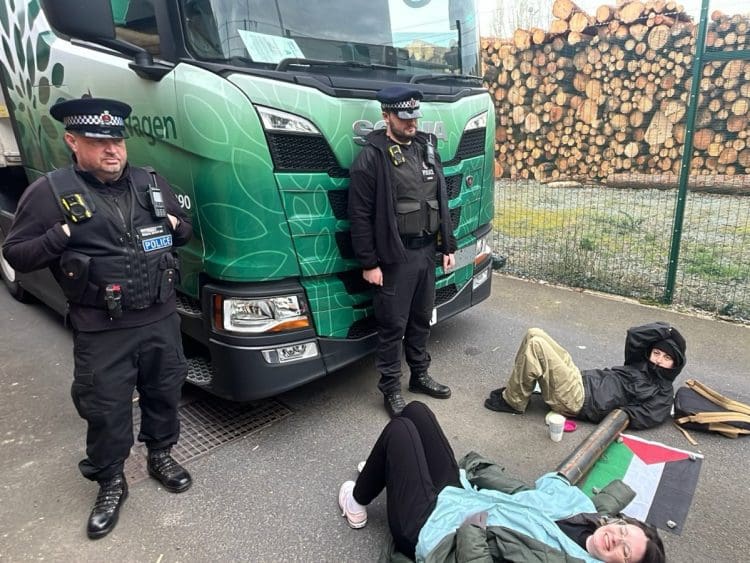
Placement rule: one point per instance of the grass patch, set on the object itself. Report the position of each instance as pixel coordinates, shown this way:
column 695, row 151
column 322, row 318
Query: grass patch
column 521, row 219
column 705, row 263
column 619, row 241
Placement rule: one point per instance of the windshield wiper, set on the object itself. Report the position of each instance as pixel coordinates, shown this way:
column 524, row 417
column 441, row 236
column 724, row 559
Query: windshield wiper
column 417, row 78
column 286, row 63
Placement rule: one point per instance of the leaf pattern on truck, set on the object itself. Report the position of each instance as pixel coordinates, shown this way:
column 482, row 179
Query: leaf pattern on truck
column 28, row 74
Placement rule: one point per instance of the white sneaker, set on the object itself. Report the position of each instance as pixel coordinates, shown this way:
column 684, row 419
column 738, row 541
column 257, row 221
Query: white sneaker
column 355, row 513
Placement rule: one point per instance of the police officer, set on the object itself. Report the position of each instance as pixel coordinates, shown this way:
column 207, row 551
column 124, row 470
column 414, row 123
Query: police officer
column 398, row 209
column 107, row 231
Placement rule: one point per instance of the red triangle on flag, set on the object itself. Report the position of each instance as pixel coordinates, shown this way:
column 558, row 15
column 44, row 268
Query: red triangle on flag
column 652, row 452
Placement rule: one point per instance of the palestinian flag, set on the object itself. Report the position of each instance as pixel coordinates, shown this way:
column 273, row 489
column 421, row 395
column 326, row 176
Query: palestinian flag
column 663, row 478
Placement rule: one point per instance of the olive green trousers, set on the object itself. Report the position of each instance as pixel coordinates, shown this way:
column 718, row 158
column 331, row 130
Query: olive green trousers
column 542, row 360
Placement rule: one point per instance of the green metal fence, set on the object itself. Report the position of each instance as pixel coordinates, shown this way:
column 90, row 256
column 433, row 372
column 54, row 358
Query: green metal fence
column 648, row 195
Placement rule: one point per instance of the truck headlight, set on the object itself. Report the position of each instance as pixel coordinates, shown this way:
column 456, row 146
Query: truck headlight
column 258, row 315
column 477, row 122
column 483, row 250
column 281, row 121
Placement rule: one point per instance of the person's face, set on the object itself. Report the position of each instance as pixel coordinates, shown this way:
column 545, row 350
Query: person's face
column 104, row 158
column 661, row 359
column 618, row 543
column 400, row 130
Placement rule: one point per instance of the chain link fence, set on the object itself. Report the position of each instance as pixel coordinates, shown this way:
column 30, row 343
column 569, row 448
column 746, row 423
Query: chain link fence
column 594, row 115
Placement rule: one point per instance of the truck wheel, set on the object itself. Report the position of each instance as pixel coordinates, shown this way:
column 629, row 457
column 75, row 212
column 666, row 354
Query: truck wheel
column 9, row 279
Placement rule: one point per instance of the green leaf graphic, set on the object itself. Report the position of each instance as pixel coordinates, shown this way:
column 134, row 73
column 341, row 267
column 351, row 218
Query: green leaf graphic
column 33, row 12
column 30, row 61
column 4, row 18
column 44, row 90
column 9, row 58
column 58, row 74
column 19, row 47
column 42, row 52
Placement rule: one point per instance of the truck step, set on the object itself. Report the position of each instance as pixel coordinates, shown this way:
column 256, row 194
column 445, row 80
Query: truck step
column 200, row 371
column 186, row 305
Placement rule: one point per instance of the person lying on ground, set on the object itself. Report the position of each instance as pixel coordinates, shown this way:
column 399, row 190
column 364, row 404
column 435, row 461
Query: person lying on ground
column 436, row 515
column 643, row 387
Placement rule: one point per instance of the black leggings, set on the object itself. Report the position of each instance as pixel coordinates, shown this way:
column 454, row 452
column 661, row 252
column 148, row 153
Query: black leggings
column 413, row 461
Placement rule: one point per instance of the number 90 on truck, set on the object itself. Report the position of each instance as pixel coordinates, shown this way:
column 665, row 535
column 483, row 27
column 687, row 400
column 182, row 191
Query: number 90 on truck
column 254, row 111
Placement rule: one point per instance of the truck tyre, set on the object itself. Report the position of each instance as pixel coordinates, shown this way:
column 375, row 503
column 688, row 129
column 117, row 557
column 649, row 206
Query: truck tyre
column 9, row 279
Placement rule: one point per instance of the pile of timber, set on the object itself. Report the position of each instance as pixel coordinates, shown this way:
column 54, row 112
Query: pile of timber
column 606, row 94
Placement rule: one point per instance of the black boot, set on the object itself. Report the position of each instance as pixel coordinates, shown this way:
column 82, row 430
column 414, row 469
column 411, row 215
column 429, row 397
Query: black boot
column 394, row 403
column 103, row 517
column 496, row 402
column 423, row 383
column 163, row 467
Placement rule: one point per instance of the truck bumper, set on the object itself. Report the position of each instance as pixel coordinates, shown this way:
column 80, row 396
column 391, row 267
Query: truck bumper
column 471, row 294
column 239, row 371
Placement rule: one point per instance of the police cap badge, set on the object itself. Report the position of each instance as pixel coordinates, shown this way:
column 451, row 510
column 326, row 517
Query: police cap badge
column 93, row 117
column 402, row 101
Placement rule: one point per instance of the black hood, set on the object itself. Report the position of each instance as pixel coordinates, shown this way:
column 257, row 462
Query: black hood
column 675, row 346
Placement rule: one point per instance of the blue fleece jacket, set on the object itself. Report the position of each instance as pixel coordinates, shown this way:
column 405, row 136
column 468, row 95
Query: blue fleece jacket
column 531, row 512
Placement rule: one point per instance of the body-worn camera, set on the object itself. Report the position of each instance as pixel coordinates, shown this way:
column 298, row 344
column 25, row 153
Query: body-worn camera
column 397, row 156
column 76, row 208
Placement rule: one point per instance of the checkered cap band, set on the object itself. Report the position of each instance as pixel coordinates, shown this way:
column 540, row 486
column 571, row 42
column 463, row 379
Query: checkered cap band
column 406, row 105
column 104, row 119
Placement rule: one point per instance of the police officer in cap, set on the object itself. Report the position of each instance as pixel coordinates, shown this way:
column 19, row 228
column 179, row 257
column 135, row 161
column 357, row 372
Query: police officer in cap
column 398, row 209
column 107, row 231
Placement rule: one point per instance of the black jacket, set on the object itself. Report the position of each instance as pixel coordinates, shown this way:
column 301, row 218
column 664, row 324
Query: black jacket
column 36, row 240
column 372, row 207
column 641, row 389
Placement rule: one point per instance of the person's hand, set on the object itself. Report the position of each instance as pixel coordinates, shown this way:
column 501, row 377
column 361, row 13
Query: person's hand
column 66, row 229
column 373, row 276
column 174, row 221
column 449, row 260
column 479, row 519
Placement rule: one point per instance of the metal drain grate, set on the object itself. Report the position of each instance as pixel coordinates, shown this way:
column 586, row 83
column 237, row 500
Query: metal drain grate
column 206, row 424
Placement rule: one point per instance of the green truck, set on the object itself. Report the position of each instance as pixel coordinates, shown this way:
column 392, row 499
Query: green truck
column 254, row 110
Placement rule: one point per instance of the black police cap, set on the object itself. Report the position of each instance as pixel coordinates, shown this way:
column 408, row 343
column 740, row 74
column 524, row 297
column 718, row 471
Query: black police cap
column 401, row 100
column 93, row 117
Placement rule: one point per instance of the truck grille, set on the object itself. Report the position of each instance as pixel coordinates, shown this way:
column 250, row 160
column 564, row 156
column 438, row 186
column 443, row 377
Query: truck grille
column 339, row 202
column 456, row 217
column 365, row 327
column 303, row 153
column 472, row 144
column 344, row 242
column 453, row 185
column 353, row 281
column 362, row 327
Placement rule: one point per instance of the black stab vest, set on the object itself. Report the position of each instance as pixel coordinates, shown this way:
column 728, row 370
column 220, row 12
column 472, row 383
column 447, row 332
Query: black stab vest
column 132, row 251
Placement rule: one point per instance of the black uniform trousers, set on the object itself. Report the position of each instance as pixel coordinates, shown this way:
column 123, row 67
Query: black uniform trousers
column 109, row 366
column 403, row 308
column 413, row 461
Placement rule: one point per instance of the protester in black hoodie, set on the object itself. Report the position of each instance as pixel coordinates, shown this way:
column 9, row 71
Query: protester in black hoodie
column 654, row 357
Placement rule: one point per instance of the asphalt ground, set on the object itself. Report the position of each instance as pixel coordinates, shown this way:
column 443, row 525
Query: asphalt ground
column 271, row 495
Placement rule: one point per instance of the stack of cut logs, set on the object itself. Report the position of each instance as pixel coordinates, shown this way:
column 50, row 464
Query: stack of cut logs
column 600, row 95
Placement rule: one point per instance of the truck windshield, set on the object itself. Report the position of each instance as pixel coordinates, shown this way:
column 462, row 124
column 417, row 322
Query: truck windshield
column 418, row 37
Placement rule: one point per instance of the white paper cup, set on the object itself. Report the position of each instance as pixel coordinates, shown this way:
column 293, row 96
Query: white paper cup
column 556, row 426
